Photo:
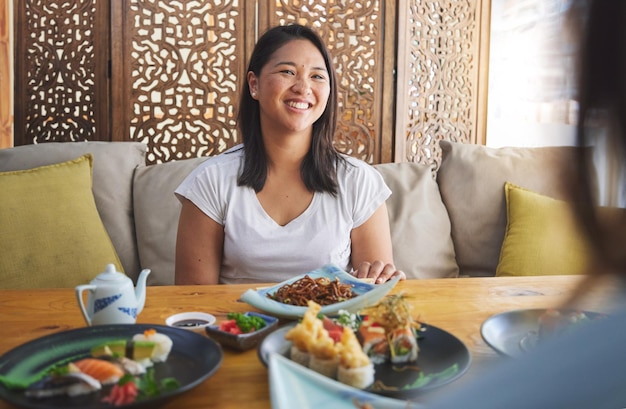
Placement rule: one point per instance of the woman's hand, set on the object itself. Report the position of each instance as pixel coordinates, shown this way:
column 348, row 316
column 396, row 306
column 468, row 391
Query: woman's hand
column 377, row 271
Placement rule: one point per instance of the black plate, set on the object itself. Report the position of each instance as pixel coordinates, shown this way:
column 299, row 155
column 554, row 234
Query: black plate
column 439, row 352
column 192, row 360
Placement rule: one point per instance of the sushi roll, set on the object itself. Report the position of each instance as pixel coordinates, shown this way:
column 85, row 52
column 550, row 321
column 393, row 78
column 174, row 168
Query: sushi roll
column 299, row 355
column 324, row 356
column 163, row 344
column 403, row 346
column 303, row 334
column 355, row 367
column 135, row 350
column 374, row 341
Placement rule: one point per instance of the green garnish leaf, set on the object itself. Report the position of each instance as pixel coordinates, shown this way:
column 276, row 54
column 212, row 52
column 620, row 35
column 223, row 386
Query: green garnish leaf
column 148, row 386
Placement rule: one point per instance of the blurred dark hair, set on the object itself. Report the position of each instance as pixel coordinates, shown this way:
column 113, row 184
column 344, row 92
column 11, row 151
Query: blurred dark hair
column 602, row 97
column 318, row 169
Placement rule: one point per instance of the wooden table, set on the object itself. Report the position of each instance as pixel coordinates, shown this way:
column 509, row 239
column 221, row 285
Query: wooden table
column 458, row 306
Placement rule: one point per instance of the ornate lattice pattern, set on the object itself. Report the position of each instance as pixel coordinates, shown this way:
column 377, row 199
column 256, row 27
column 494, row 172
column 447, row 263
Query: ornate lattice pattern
column 184, row 75
column 6, row 117
column 442, row 77
column 352, row 30
column 60, row 70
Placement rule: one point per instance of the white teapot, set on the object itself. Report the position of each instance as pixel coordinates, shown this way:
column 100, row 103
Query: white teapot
column 112, row 298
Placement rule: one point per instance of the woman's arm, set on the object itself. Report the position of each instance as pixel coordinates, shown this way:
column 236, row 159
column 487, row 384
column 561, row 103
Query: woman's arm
column 372, row 255
column 199, row 246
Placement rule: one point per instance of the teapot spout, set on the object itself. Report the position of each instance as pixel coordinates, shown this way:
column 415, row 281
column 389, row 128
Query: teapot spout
column 140, row 289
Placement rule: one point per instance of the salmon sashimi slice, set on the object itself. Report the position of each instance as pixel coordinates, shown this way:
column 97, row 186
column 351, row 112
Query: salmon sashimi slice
column 104, row 371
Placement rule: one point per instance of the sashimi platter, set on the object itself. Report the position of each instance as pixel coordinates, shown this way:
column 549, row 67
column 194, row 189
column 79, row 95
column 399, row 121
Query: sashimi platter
column 107, row 366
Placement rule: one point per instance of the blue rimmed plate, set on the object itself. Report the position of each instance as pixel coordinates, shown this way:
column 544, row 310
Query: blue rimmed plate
column 367, row 294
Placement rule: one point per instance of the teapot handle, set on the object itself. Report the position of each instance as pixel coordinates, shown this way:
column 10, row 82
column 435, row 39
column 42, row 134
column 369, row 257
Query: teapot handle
column 81, row 304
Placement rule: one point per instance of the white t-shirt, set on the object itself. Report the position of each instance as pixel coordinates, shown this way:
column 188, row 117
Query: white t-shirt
column 256, row 248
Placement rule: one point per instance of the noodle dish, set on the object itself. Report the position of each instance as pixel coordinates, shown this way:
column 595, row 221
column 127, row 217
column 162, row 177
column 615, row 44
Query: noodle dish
column 329, row 286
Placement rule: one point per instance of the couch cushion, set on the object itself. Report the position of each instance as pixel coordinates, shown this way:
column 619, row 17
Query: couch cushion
column 420, row 227
column 471, row 181
column 541, row 236
column 113, row 167
column 156, row 216
column 51, row 232
column 417, row 216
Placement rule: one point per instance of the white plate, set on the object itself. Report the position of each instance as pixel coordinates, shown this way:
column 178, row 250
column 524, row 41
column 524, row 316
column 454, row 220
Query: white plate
column 294, row 386
column 368, row 294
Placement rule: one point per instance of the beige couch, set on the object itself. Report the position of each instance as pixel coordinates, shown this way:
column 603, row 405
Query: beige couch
column 447, row 225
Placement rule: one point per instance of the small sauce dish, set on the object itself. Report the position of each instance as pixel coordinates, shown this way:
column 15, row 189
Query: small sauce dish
column 193, row 321
column 246, row 341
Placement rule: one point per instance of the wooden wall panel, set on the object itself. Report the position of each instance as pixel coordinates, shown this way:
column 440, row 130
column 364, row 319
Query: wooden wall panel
column 169, row 73
column 178, row 75
column 61, row 71
column 440, row 69
column 6, row 78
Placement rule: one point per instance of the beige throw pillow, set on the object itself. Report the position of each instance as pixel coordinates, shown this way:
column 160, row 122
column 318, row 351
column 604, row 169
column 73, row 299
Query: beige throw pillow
column 471, row 181
column 420, row 227
column 156, row 216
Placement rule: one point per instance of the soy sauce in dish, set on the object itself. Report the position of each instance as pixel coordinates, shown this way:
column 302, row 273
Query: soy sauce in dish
column 189, row 323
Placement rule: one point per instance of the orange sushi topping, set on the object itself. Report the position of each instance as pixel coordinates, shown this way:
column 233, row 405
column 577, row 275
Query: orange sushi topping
column 99, row 369
column 149, row 332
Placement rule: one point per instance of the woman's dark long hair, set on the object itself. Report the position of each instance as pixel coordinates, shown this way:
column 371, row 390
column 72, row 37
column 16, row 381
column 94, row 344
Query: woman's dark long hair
column 602, row 97
column 318, row 168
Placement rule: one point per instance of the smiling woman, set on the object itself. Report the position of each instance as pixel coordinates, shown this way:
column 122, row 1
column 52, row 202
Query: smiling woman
column 285, row 202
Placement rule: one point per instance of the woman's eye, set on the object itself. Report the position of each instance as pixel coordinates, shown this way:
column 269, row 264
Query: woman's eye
column 289, row 72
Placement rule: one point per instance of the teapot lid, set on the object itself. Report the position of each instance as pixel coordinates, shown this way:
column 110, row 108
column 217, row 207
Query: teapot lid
column 111, row 274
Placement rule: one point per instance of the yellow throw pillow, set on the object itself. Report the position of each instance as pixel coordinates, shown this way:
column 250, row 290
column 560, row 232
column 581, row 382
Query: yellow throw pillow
column 51, row 234
column 541, row 236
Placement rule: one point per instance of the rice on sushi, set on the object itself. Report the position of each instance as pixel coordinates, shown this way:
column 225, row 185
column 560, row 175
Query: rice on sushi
column 163, row 344
column 299, row 356
column 403, row 345
column 303, row 334
column 355, row 367
column 324, row 357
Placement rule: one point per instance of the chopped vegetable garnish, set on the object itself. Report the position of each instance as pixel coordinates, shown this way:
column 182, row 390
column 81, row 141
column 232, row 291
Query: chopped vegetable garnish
column 239, row 323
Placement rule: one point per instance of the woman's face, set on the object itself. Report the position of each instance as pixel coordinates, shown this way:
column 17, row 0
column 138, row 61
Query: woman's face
column 292, row 89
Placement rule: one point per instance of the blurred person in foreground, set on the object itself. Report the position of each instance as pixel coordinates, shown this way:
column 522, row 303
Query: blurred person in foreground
column 585, row 368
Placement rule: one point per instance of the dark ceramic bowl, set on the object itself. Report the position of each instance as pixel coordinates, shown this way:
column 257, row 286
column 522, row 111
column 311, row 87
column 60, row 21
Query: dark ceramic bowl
column 243, row 342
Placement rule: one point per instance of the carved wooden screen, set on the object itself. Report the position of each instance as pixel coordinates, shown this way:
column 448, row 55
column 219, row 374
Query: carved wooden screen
column 61, row 84
column 355, row 33
column 181, row 67
column 442, row 76
column 176, row 70
column 6, row 77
